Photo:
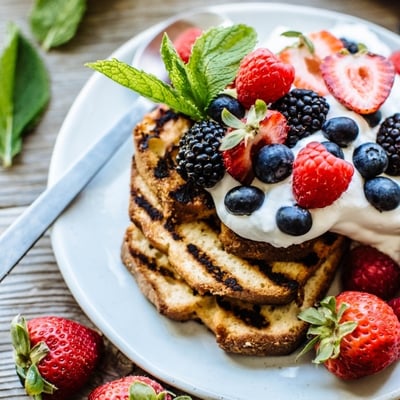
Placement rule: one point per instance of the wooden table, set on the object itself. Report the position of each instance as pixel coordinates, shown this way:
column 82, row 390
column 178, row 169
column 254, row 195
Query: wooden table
column 35, row 286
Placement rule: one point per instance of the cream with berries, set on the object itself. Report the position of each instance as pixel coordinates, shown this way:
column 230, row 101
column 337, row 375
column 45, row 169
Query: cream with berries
column 306, row 137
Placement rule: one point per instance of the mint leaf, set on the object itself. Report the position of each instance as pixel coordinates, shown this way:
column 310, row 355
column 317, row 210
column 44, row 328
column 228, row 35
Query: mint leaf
column 145, row 84
column 24, row 92
column 215, row 59
column 213, row 65
column 55, row 22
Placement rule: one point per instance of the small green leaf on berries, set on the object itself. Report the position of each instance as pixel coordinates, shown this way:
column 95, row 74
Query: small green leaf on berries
column 303, row 39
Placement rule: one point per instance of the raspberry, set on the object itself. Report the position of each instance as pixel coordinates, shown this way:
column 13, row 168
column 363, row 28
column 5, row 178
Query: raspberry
column 319, row 178
column 184, row 42
column 395, row 304
column 262, row 75
column 367, row 269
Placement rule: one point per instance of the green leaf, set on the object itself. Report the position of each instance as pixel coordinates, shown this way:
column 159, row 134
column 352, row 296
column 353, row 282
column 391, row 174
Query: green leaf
column 24, row 92
column 55, row 22
column 20, row 340
column 141, row 391
column 215, row 59
column 146, row 85
column 214, row 62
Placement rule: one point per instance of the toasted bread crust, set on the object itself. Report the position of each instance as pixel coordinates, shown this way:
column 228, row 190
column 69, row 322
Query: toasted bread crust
column 239, row 327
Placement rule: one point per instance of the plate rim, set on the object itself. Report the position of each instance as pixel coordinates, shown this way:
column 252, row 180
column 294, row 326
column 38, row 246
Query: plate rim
column 55, row 171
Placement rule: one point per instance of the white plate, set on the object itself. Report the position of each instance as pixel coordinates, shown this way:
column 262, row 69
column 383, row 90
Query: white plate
column 87, row 239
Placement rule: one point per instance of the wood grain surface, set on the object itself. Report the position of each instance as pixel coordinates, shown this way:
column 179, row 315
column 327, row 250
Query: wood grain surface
column 35, row 286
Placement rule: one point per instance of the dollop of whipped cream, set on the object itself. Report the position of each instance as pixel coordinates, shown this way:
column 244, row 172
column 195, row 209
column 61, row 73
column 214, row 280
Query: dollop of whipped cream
column 350, row 215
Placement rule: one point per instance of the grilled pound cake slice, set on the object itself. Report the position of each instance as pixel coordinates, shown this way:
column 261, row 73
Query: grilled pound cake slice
column 197, row 254
column 239, row 327
column 156, row 139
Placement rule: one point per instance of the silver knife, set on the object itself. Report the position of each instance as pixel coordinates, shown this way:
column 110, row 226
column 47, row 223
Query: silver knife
column 24, row 232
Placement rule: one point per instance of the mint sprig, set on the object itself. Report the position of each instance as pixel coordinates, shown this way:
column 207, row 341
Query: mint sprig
column 213, row 65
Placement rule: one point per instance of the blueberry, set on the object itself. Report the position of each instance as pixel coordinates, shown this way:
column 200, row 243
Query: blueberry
column 383, row 193
column 244, row 200
column 225, row 101
column 273, row 163
column 370, row 159
column 294, row 220
column 334, row 149
column 340, row 130
column 373, row 119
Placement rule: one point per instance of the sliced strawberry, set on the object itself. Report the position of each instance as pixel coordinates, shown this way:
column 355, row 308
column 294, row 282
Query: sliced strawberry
column 250, row 137
column 306, row 57
column 395, row 59
column 237, row 161
column 273, row 129
column 361, row 82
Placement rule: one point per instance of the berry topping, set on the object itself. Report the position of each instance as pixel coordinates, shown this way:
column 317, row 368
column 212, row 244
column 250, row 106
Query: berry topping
column 368, row 270
column 361, row 82
column 373, row 119
column 184, row 42
column 273, row 163
column 225, row 101
column 294, row 220
column 306, row 57
column 395, row 59
column 340, row 130
column 244, row 200
column 334, row 149
column 319, row 178
column 370, row 159
column 383, row 193
column 350, row 45
column 198, row 158
column 305, row 112
column 388, row 137
column 264, row 76
column 243, row 141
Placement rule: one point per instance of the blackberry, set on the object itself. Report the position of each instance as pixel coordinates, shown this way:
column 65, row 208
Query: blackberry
column 198, row 158
column 305, row 112
column 388, row 137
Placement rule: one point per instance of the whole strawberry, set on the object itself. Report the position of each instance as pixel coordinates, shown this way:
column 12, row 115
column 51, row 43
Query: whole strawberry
column 355, row 334
column 133, row 387
column 369, row 270
column 54, row 356
column 319, row 178
column 263, row 76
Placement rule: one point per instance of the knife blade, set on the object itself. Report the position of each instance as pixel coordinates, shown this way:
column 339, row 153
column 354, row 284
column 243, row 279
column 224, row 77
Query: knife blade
column 25, row 231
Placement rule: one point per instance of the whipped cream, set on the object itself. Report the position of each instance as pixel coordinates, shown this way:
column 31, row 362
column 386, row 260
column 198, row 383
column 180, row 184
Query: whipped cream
column 350, row 215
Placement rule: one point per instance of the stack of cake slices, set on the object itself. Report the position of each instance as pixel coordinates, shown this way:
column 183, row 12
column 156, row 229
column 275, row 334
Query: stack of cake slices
column 192, row 267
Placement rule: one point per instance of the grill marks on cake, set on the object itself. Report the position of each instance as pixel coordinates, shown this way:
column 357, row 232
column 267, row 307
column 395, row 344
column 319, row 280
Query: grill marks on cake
column 216, row 271
column 151, row 211
column 277, row 277
column 152, row 264
column 250, row 314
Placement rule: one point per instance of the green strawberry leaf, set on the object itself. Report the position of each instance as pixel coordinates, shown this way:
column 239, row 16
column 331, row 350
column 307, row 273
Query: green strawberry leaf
column 24, row 92
column 213, row 65
column 55, row 22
